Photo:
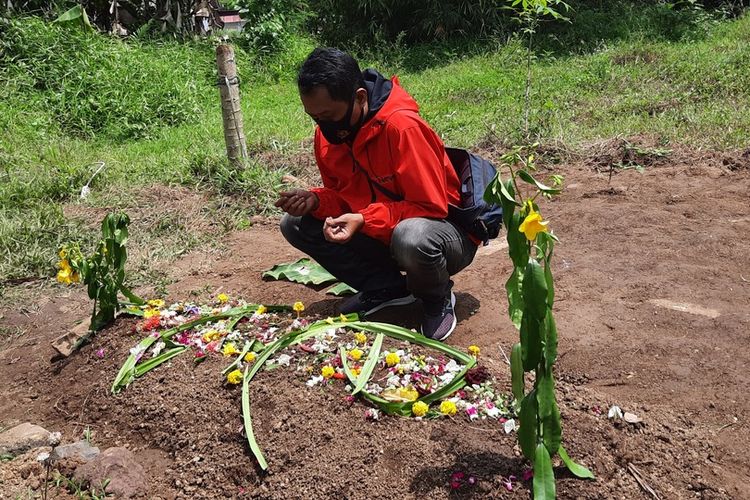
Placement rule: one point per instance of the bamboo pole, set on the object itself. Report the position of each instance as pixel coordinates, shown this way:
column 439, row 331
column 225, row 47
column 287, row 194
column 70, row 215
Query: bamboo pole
column 229, row 89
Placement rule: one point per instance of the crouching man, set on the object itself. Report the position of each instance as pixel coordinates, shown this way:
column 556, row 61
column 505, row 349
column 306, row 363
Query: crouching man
column 387, row 183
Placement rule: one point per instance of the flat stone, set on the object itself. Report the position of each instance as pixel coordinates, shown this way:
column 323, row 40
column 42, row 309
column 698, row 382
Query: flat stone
column 493, row 246
column 23, row 437
column 67, row 343
column 127, row 478
column 632, row 418
column 81, row 450
column 685, row 307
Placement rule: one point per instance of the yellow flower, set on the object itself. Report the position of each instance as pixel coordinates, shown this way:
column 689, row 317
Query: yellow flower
column 355, row 354
column 249, row 357
column 356, row 371
column 298, row 307
column 261, row 309
column 360, row 337
column 229, row 349
column 408, row 393
column 234, row 377
column 474, row 350
column 342, row 318
column 150, row 313
column 392, row 359
column 65, row 276
column 157, row 303
column 329, row 320
column 63, row 253
column 419, row 409
column 533, row 223
column 210, row 336
column 327, row 371
column 448, row 407
column 223, row 298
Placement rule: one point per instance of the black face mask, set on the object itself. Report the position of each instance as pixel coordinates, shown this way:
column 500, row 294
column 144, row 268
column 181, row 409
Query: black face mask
column 341, row 131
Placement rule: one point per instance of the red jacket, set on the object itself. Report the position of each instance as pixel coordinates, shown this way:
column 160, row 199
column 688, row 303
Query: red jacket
column 399, row 151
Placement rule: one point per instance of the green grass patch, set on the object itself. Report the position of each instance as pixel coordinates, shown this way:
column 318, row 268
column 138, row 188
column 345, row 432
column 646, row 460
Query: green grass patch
column 150, row 111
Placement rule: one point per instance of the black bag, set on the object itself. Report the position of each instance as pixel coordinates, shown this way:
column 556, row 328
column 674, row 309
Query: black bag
column 477, row 217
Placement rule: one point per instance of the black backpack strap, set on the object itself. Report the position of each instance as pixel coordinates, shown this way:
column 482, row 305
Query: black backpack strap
column 387, row 192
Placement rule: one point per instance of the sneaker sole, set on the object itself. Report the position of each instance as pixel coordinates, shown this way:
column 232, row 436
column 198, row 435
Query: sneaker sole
column 453, row 326
column 402, row 301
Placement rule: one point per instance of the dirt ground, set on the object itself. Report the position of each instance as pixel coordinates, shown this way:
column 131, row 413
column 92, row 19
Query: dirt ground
column 653, row 310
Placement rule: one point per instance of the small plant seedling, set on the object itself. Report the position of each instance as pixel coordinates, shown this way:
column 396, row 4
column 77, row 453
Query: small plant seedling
column 88, row 435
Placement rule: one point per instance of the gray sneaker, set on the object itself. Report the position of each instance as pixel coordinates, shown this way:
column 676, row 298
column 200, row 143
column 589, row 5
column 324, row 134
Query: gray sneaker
column 439, row 326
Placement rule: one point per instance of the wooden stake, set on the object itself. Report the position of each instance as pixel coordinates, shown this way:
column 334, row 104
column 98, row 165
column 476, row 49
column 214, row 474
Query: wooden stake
column 229, row 89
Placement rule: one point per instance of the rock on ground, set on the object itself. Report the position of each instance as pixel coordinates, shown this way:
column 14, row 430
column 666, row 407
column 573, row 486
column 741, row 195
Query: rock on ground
column 23, row 437
column 127, row 478
column 81, row 450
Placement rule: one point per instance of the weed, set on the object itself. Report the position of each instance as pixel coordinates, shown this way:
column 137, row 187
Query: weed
column 88, row 434
column 78, row 488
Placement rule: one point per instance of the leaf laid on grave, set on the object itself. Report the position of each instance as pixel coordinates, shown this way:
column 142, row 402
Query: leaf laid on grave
column 305, row 271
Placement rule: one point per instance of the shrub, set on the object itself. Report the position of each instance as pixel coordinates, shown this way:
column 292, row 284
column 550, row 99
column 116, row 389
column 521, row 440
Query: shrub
column 95, row 84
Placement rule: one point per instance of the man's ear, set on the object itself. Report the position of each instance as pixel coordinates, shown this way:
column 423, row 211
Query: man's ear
column 361, row 96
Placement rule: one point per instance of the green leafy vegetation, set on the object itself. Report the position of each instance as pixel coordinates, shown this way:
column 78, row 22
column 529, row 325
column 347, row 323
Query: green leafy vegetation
column 148, row 108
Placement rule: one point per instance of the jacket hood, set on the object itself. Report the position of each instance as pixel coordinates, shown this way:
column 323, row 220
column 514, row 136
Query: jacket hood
column 385, row 96
column 378, row 90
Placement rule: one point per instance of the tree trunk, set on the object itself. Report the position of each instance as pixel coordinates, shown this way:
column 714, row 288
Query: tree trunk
column 229, row 88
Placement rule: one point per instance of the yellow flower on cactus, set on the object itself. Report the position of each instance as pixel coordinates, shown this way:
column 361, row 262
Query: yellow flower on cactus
column 474, row 350
column 223, row 298
column 360, row 337
column 151, row 312
column 419, row 409
column 229, row 349
column 533, row 223
column 355, row 354
column 249, row 357
column 392, row 359
column 234, row 377
column 448, row 408
column 261, row 309
column 327, row 371
column 157, row 303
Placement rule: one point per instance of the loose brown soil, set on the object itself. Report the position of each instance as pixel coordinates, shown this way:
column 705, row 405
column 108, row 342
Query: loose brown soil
column 653, row 309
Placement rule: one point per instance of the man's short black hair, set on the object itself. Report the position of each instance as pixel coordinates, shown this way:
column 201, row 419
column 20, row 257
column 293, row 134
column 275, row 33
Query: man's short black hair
column 336, row 70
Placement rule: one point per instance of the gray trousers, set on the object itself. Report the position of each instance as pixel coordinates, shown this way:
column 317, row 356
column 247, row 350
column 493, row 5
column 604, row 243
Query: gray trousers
column 429, row 251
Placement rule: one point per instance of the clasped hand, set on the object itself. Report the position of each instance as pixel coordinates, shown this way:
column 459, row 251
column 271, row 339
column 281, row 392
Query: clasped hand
column 342, row 228
column 299, row 202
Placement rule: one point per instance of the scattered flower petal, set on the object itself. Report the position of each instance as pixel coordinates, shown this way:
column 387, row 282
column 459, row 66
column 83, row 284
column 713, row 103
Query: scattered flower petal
column 234, row 377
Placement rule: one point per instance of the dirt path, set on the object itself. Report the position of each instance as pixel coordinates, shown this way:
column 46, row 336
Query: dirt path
column 653, row 310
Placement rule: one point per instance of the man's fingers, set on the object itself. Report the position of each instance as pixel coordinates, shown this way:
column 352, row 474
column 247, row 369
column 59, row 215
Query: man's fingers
column 289, row 194
column 340, row 237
